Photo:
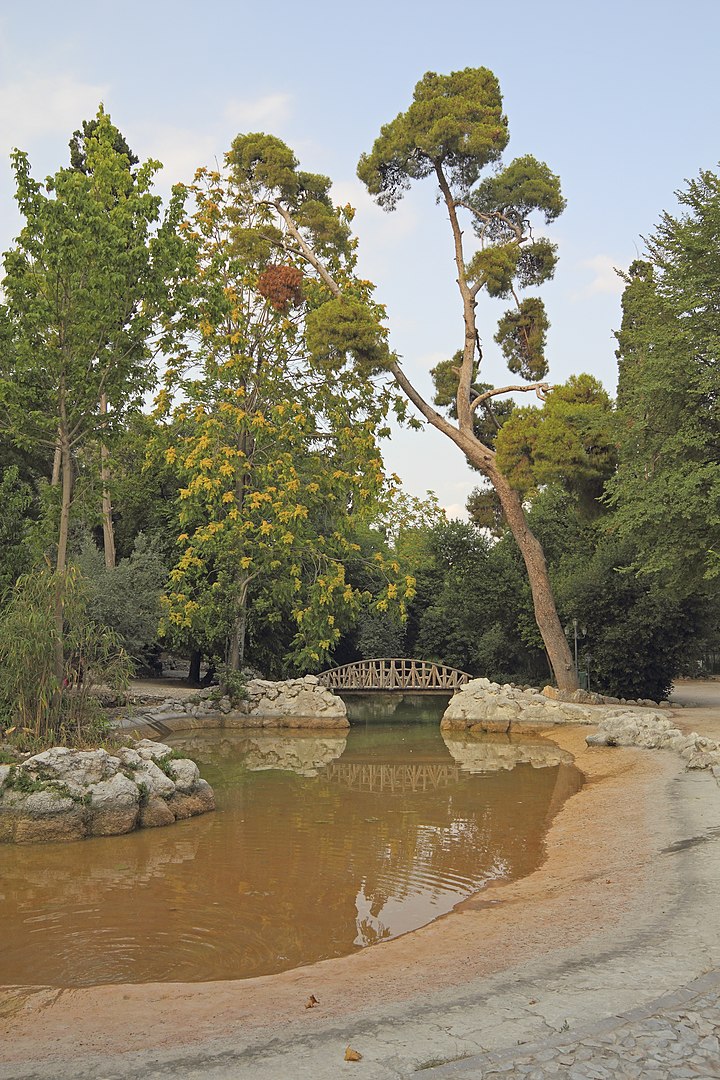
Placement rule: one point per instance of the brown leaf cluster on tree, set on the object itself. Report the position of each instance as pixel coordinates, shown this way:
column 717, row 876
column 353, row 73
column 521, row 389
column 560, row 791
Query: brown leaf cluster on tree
column 281, row 286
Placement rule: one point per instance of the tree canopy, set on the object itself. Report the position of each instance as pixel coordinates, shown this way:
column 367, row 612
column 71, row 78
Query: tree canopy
column 666, row 493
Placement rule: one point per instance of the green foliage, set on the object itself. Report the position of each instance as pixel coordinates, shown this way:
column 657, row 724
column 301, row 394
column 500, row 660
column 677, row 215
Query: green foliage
column 379, row 633
column 267, row 171
column 126, row 598
column 637, row 634
column 274, row 435
column 521, row 335
column 145, row 488
column 21, row 781
column 233, row 684
column 82, row 137
column 345, row 328
column 165, row 762
column 264, row 162
column 570, row 441
column 666, row 494
column 485, row 510
column 73, row 288
column 31, row 696
column 471, row 605
column 455, row 120
column 536, row 263
column 453, row 130
column 489, row 417
column 493, row 268
column 16, row 500
column 523, row 186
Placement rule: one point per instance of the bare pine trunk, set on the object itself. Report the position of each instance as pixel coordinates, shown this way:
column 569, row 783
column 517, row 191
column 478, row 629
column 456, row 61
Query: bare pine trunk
column 546, row 616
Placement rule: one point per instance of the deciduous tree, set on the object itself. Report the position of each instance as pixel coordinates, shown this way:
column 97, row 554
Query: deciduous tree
column 276, row 429
column 78, row 291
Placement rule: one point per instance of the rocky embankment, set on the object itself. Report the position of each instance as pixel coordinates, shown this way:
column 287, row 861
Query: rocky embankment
column 64, row 794
column 292, row 703
column 482, row 706
column 653, row 732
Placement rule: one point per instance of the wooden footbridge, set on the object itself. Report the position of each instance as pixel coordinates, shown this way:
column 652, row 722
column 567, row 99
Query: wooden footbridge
column 422, row 676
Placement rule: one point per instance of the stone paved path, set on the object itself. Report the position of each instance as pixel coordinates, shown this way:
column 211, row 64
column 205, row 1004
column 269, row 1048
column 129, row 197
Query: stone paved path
column 678, row 1038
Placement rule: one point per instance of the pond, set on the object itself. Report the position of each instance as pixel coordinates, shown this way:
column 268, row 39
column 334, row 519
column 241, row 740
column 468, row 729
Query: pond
column 320, row 846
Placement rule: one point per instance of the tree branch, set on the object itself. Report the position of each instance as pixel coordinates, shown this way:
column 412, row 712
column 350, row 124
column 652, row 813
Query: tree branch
column 466, row 442
column 464, row 411
column 307, row 251
column 540, row 388
column 494, row 216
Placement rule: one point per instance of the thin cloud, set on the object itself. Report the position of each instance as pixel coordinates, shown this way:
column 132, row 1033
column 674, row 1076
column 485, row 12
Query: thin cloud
column 33, row 106
column 457, row 512
column 605, row 279
column 265, row 113
column 181, row 150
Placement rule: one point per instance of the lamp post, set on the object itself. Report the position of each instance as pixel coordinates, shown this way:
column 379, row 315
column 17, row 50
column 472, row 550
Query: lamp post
column 577, row 631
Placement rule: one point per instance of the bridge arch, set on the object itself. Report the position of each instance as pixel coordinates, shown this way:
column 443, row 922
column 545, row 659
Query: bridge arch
column 392, row 673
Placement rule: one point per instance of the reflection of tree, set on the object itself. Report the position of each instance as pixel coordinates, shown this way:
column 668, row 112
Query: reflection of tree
column 370, row 929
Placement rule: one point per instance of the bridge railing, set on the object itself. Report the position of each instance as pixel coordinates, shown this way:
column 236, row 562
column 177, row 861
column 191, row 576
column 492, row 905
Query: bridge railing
column 391, row 673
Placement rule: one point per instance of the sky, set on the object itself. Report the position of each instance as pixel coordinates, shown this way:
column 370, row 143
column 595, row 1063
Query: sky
column 619, row 97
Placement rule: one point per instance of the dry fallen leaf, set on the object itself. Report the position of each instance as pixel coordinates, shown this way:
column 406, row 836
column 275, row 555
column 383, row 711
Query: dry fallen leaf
column 311, row 1002
column 352, row 1055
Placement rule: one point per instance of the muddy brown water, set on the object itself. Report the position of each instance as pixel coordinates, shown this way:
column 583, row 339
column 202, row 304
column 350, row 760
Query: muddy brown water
column 320, row 846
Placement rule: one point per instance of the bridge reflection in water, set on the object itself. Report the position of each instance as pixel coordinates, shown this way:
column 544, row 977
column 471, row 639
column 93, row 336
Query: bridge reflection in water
column 392, row 778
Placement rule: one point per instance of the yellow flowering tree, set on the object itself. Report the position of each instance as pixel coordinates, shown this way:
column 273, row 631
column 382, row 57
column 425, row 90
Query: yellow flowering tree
column 276, row 443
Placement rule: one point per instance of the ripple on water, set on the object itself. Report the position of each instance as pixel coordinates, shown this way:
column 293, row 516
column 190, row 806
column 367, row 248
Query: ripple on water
column 338, row 845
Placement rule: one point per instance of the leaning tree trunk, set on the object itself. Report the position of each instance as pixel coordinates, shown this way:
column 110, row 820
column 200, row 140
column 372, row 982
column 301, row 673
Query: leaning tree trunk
column 483, row 458
column 479, row 455
column 546, row 616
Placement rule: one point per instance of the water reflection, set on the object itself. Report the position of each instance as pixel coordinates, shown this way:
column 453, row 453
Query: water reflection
column 304, row 753
column 490, row 753
column 392, row 778
column 319, row 846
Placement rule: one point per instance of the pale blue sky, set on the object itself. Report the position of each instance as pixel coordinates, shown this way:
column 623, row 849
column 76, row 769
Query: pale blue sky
column 620, row 98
